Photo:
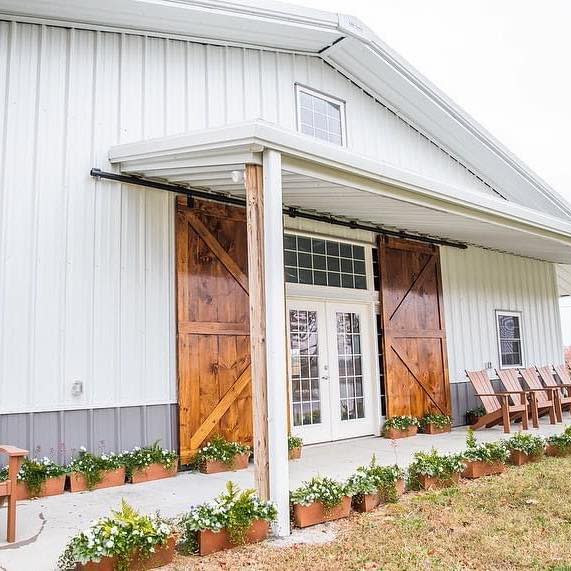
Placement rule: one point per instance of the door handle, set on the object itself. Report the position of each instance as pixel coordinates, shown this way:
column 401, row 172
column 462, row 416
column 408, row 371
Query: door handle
column 325, row 378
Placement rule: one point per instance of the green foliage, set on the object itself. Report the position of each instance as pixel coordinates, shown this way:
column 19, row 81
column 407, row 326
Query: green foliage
column 35, row 471
column 477, row 412
column 234, row 510
column 561, row 441
column 437, row 420
column 527, row 443
column 490, row 452
column 141, row 458
column 441, row 466
column 92, row 467
column 321, row 489
column 120, row 535
column 3, row 474
column 400, row 422
column 221, row 450
column 375, row 479
column 294, row 442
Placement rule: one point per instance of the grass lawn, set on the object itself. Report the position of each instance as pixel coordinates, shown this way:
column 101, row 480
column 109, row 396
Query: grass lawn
column 519, row 520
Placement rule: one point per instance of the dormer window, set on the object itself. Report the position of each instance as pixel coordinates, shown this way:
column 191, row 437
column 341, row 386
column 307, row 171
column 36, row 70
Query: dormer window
column 320, row 116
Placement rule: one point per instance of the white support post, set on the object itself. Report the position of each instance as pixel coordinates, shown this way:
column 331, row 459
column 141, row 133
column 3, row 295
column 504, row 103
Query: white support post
column 276, row 340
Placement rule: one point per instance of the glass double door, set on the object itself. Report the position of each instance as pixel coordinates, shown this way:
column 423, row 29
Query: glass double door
column 330, row 370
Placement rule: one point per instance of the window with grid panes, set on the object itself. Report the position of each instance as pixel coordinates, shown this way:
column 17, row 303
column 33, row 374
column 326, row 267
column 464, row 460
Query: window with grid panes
column 320, row 116
column 510, row 338
column 315, row 261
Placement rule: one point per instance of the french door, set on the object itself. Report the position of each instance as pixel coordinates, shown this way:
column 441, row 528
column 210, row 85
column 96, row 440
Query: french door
column 330, row 370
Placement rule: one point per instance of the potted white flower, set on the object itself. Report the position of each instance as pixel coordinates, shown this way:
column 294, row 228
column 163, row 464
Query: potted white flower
column 234, row 518
column 126, row 540
column 320, row 499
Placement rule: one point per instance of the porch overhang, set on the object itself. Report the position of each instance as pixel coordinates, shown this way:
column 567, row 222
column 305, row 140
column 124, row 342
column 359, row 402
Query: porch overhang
column 320, row 177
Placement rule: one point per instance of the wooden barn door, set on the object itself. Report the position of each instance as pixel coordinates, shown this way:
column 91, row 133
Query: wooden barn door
column 214, row 378
column 414, row 336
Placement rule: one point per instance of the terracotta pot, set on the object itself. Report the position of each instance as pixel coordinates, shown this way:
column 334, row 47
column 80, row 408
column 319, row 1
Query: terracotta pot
column 162, row 556
column 294, row 453
column 215, row 466
column 109, row 479
column 51, row 487
column 365, row 502
column 393, row 433
column 556, row 452
column 477, row 469
column 518, row 458
column 153, row 472
column 434, row 483
column 212, row 541
column 432, row 429
column 315, row 513
column 368, row 502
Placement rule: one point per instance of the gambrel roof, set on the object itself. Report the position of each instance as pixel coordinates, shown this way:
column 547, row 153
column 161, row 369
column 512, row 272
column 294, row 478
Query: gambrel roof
column 342, row 41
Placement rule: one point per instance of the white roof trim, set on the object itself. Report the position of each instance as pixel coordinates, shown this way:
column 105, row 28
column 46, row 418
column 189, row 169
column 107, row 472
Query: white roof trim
column 239, row 143
column 361, row 55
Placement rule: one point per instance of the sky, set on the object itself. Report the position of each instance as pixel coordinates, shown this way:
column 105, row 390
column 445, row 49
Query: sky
column 506, row 62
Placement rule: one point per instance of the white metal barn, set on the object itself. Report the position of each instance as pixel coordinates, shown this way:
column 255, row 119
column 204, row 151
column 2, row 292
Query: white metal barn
column 253, row 145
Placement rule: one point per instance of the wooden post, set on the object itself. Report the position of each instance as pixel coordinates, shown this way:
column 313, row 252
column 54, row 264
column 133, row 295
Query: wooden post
column 256, row 280
column 267, row 333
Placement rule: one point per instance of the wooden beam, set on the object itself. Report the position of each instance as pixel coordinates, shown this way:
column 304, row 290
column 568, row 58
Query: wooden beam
column 210, row 422
column 256, row 281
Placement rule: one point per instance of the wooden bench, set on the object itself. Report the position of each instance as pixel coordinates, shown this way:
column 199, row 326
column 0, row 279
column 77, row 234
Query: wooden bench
column 8, row 487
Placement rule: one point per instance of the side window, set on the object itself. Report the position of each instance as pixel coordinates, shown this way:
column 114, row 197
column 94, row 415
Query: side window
column 320, row 116
column 510, row 338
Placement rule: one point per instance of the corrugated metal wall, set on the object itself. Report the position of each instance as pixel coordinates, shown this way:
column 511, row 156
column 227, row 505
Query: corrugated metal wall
column 86, row 268
column 476, row 283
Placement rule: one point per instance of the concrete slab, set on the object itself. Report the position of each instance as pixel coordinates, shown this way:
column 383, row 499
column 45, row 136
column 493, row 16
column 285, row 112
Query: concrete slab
column 45, row 525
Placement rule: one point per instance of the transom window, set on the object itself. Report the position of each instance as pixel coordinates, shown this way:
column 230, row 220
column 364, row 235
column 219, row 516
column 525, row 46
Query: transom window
column 320, row 116
column 510, row 341
column 315, row 261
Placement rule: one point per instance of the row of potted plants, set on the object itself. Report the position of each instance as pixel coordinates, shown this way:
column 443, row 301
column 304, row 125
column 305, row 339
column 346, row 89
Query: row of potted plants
column 128, row 540
column 40, row 477
column 221, row 455
column 404, row 426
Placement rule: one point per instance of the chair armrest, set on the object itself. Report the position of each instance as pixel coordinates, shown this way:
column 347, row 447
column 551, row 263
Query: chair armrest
column 12, row 450
column 541, row 390
column 501, row 393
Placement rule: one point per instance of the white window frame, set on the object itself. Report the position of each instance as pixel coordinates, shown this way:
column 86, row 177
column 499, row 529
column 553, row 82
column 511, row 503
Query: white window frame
column 299, row 89
column 324, row 292
column 510, row 313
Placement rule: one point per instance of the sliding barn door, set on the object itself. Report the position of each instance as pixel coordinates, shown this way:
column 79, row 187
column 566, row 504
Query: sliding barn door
column 214, row 377
column 414, row 336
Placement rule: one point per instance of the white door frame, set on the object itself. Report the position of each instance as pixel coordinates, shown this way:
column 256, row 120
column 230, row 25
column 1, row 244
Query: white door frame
column 345, row 300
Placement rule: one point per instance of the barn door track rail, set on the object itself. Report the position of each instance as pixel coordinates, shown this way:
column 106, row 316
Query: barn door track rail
column 288, row 210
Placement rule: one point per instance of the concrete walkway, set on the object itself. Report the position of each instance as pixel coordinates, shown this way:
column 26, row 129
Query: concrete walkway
column 44, row 525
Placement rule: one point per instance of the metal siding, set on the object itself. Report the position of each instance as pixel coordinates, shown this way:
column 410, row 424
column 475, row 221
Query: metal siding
column 476, row 282
column 60, row 434
column 86, row 267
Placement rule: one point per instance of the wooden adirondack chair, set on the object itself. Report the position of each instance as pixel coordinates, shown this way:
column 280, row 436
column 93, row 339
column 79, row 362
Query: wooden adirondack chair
column 497, row 403
column 564, row 383
column 543, row 399
column 8, row 488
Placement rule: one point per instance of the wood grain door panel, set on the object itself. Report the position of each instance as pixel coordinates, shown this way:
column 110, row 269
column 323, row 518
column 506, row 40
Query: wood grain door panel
column 414, row 334
column 214, row 376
